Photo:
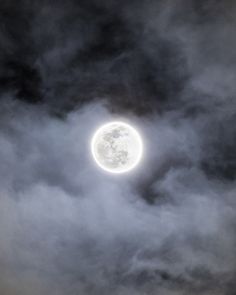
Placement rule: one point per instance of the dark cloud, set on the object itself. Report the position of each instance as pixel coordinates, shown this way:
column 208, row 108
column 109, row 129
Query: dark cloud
column 168, row 67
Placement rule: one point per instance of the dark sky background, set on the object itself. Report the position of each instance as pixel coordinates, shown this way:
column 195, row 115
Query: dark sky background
column 167, row 67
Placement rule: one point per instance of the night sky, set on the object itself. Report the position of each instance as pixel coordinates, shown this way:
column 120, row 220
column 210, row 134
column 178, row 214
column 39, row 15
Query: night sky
column 167, row 67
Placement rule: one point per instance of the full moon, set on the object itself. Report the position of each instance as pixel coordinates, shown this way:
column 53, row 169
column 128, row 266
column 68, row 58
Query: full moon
column 117, row 147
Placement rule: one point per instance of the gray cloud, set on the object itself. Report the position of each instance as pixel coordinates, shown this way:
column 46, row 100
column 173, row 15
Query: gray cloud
column 66, row 227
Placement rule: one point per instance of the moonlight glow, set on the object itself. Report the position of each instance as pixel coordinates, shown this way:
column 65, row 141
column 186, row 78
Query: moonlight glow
column 117, row 147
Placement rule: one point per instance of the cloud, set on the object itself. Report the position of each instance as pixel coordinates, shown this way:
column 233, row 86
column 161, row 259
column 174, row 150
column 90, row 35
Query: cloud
column 66, row 226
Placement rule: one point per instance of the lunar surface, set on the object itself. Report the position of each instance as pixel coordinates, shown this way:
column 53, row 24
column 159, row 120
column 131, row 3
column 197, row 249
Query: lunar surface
column 117, row 147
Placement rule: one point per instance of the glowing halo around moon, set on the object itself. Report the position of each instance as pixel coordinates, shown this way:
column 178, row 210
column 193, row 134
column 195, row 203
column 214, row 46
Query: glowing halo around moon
column 117, row 147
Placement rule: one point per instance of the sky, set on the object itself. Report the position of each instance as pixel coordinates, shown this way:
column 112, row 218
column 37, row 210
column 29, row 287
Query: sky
column 168, row 68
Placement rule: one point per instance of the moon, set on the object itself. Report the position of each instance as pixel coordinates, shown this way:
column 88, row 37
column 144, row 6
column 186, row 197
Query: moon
column 117, row 147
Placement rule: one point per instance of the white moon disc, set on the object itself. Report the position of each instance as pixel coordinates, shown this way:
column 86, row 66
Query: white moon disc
column 117, row 147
